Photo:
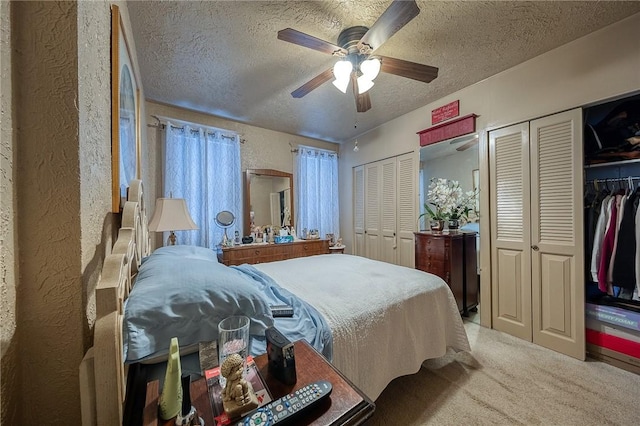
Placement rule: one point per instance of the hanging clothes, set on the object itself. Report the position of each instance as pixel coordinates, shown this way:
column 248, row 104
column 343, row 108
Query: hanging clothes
column 598, row 237
column 624, row 273
column 607, row 245
column 621, row 200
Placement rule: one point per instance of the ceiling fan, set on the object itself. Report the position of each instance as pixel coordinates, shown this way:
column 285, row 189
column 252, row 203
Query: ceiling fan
column 358, row 64
column 469, row 141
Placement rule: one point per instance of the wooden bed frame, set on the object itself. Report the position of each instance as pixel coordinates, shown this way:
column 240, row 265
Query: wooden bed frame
column 103, row 374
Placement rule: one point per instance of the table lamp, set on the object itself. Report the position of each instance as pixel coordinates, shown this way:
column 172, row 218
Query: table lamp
column 171, row 215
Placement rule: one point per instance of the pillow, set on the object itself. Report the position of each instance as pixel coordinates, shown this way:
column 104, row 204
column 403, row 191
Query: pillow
column 186, row 297
column 192, row 252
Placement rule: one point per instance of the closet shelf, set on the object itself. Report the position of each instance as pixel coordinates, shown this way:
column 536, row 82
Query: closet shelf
column 612, row 163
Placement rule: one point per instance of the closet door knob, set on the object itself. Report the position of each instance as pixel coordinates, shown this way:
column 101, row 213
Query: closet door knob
column 535, row 247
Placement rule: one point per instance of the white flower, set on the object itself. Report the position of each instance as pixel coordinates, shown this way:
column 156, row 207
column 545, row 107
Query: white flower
column 448, row 200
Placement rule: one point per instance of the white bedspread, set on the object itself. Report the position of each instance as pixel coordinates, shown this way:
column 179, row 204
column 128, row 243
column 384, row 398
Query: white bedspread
column 385, row 319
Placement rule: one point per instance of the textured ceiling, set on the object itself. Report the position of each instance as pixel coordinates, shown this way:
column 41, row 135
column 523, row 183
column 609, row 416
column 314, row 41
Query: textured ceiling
column 223, row 57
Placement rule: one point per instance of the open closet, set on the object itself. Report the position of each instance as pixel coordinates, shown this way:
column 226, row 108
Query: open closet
column 612, row 231
column 565, row 231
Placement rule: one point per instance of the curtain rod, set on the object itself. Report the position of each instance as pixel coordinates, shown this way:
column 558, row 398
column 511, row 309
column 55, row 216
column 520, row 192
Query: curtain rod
column 161, row 125
column 319, row 151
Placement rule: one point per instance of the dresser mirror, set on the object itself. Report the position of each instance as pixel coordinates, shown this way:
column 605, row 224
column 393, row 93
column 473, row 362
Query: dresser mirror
column 268, row 198
column 454, row 159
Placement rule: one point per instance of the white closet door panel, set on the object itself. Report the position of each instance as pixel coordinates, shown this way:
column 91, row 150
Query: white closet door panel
column 406, row 204
column 557, row 233
column 372, row 211
column 510, row 306
column 358, row 211
column 359, row 245
column 510, row 236
column 388, row 210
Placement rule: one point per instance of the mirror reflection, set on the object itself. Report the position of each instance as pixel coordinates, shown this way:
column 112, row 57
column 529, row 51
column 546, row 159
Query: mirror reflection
column 454, row 159
column 268, row 198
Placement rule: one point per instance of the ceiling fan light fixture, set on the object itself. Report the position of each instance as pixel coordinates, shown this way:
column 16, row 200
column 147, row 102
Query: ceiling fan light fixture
column 341, row 85
column 342, row 70
column 370, row 68
column 364, row 84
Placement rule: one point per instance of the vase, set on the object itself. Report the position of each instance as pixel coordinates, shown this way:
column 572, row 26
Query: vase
column 437, row 225
column 454, row 223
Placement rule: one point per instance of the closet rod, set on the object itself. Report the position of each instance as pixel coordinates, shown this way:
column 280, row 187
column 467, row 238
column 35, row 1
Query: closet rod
column 620, row 179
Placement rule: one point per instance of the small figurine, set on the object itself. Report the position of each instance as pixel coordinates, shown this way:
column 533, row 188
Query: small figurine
column 238, row 396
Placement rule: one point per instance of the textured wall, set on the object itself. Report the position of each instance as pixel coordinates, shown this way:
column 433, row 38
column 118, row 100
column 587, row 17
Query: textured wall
column 49, row 308
column 62, row 117
column 9, row 375
column 94, row 103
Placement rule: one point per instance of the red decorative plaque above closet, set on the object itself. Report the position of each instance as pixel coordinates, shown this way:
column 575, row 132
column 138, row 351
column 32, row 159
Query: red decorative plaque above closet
column 445, row 112
column 451, row 129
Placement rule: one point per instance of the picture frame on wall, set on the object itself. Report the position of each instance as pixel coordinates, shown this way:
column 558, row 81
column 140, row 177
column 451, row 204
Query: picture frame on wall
column 125, row 114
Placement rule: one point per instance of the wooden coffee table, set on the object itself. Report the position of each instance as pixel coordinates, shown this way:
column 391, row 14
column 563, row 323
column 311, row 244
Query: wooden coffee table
column 347, row 405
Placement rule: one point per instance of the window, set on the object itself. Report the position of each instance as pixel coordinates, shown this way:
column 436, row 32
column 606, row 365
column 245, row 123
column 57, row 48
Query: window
column 202, row 165
column 317, row 191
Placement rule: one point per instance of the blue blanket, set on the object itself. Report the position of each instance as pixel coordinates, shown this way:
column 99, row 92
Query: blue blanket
column 186, row 293
column 307, row 323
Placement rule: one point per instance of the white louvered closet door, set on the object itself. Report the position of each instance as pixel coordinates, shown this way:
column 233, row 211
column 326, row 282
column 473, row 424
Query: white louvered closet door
column 557, row 233
column 388, row 210
column 510, row 236
column 372, row 237
column 537, row 274
column 358, row 211
column 406, row 203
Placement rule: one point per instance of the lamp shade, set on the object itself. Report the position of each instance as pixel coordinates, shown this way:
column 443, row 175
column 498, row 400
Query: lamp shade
column 364, row 84
column 370, row 68
column 342, row 70
column 341, row 84
column 171, row 214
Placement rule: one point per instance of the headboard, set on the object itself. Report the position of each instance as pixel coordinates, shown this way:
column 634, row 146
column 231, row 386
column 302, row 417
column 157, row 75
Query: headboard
column 103, row 374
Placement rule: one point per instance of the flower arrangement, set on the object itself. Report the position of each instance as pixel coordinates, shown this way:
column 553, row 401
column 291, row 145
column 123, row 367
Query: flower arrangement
column 448, row 201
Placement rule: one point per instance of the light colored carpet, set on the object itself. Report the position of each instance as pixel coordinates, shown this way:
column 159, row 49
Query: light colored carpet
column 508, row 381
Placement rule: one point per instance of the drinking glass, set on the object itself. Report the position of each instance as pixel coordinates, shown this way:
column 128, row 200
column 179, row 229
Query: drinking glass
column 233, row 338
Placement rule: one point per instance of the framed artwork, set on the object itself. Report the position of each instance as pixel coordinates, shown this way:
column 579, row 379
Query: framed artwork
column 125, row 114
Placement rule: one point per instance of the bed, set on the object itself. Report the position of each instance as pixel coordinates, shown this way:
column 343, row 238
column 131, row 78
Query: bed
column 374, row 321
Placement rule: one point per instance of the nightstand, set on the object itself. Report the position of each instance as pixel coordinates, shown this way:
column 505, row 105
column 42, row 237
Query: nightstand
column 347, row 405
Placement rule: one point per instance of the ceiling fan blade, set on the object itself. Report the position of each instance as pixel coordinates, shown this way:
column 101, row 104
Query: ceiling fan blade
column 313, row 83
column 397, row 15
column 363, row 101
column 413, row 70
column 467, row 145
column 305, row 40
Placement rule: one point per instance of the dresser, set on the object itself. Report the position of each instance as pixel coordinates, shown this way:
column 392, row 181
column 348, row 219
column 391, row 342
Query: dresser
column 451, row 255
column 261, row 253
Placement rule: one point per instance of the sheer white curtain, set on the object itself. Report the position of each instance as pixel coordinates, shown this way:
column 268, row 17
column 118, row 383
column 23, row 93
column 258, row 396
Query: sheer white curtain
column 127, row 152
column 203, row 167
column 316, row 189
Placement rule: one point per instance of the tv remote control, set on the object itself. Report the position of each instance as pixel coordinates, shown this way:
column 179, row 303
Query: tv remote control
column 281, row 311
column 288, row 406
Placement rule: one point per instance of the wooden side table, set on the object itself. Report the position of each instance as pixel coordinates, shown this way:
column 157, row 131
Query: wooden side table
column 347, row 405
